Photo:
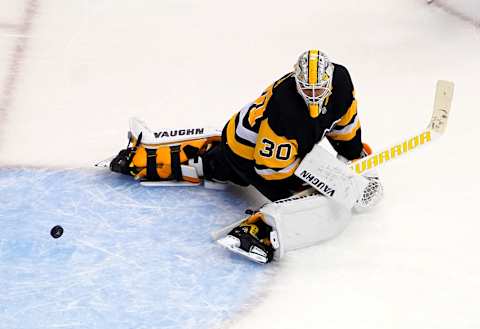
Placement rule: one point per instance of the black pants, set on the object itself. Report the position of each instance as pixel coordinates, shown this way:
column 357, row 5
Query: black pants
column 217, row 167
column 220, row 163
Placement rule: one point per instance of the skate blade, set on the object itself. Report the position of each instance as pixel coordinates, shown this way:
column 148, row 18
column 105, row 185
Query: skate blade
column 104, row 163
column 232, row 244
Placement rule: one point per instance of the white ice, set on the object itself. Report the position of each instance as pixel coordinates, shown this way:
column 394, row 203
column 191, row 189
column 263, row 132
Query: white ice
column 72, row 72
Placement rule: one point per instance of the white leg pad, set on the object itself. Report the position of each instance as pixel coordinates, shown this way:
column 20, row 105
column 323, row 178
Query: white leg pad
column 299, row 222
column 168, row 136
column 305, row 221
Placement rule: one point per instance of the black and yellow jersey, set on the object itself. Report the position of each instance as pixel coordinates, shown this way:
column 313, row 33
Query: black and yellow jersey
column 270, row 136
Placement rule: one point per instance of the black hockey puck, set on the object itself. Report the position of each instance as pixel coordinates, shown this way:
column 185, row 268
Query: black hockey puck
column 56, row 231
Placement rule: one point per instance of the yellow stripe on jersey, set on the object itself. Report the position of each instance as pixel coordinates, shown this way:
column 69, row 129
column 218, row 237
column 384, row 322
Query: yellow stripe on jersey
column 238, row 148
column 347, row 117
column 346, row 133
column 313, row 67
column 274, row 151
column 258, row 107
column 270, row 174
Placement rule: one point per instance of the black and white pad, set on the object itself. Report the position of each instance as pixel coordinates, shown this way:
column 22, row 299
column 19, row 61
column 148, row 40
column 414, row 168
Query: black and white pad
column 169, row 135
column 297, row 222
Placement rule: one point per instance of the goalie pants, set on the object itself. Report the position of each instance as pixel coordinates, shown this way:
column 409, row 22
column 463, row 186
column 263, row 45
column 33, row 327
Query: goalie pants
column 221, row 163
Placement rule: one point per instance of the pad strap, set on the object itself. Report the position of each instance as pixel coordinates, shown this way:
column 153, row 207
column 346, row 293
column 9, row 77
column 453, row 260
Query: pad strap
column 152, row 164
column 175, row 162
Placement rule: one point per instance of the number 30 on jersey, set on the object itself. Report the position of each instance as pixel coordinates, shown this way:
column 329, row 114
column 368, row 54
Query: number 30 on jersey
column 279, row 151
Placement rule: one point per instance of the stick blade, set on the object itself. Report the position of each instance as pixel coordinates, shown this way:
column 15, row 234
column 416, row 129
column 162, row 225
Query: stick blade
column 441, row 106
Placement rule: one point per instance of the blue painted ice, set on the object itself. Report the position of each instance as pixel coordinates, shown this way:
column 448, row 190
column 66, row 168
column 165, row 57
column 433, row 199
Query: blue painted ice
column 130, row 256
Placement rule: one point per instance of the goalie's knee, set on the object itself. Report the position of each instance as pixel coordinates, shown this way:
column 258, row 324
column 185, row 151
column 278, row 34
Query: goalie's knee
column 180, row 161
column 217, row 168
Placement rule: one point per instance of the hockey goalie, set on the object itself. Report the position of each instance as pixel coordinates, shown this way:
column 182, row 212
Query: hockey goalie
column 273, row 145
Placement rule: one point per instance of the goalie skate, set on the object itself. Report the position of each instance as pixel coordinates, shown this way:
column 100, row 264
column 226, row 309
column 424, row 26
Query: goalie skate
column 251, row 238
column 232, row 244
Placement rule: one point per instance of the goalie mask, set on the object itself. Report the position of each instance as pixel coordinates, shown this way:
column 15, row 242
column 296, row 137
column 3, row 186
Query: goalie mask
column 313, row 76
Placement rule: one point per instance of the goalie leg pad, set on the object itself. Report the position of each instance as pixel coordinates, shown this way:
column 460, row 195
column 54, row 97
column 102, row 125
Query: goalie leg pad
column 173, row 157
column 164, row 162
column 296, row 222
column 301, row 222
column 152, row 138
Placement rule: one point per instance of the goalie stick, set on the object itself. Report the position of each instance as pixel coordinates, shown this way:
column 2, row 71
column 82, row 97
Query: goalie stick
column 335, row 180
column 436, row 128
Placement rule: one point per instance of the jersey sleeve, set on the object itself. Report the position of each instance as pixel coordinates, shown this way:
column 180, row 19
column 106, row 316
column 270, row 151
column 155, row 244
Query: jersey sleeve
column 346, row 135
column 243, row 127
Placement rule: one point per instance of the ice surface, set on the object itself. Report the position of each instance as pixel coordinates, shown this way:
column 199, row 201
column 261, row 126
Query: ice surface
column 84, row 67
column 469, row 10
column 130, row 257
